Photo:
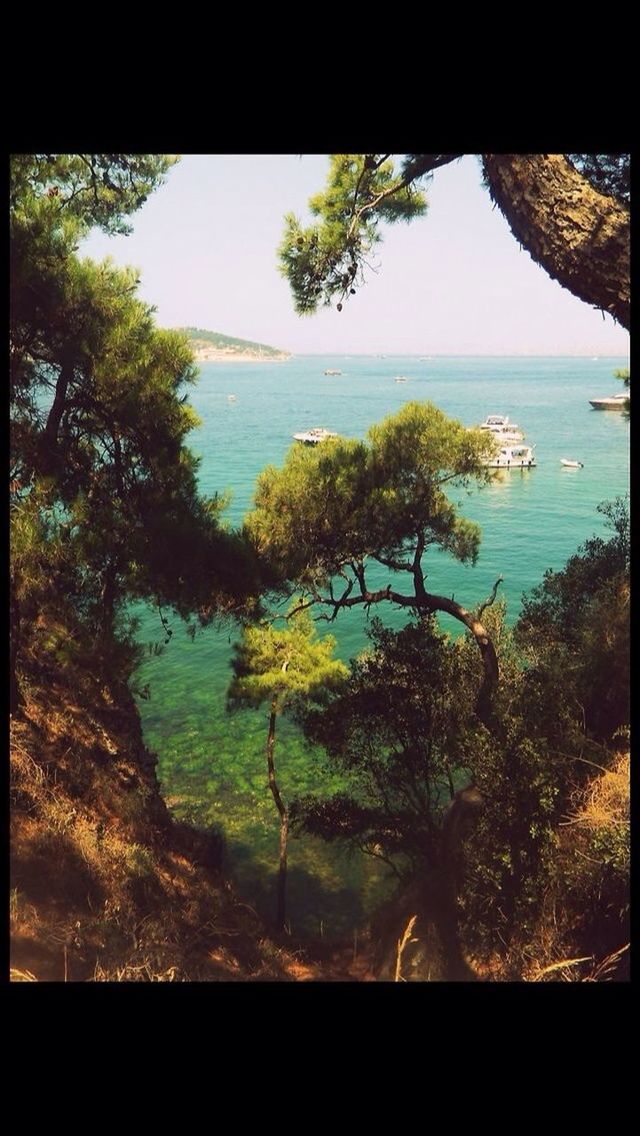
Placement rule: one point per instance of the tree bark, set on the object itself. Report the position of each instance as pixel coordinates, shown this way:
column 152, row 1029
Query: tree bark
column 108, row 598
column 50, row 437
column 579, row 236
column 284, row 818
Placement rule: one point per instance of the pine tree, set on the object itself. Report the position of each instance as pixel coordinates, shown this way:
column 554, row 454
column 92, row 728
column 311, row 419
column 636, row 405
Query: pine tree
column 281, row 666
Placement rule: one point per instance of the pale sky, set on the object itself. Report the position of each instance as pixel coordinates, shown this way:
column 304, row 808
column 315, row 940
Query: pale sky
column 453, row 282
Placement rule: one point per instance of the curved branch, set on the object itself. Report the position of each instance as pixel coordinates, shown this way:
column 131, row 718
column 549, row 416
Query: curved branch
column 484, row 643
column 428, row 602
column 578, row 235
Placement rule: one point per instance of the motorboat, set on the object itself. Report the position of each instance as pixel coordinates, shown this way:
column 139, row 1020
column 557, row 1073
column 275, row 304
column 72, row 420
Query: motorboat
column 332, row 372
column 568, row 464
column 512, row 457
column 503, row 430
column 314, row 436
column 401, row 378
column 612, row 402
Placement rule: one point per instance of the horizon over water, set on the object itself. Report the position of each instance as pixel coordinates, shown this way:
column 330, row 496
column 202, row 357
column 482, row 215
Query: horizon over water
column 211, row 763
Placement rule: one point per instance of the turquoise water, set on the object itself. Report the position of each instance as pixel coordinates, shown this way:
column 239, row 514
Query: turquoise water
column 211, row 763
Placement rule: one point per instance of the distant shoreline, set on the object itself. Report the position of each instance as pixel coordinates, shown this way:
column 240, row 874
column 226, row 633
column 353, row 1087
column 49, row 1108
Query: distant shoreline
column 216, row 355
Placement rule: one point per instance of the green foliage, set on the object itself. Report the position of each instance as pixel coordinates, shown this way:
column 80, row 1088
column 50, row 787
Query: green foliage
column 92, row 189
column 575, row 627
column 288, row 662
column 327, row 259
column 100, row 474
column 344, row 501
column 400, row 731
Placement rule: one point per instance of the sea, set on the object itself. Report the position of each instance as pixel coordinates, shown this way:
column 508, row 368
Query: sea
column 211, row 762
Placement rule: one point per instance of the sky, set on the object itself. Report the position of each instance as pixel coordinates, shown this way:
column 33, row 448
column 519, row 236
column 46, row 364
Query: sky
column 454, row 282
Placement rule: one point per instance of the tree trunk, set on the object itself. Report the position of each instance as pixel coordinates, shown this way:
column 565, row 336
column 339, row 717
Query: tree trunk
column 461, row 815
column 108, row 598
column 50, row 436
column 579, row 236
column 284, row 818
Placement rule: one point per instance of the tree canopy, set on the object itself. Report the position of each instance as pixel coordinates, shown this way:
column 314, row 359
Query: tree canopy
column 283, row 665
column 332, row 511
column 98, row 408
column 571, row 216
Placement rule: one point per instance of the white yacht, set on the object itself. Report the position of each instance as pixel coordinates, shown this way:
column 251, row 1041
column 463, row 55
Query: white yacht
column 315, row 435
column 501, row 428
column 512, row 457
column 612, row 402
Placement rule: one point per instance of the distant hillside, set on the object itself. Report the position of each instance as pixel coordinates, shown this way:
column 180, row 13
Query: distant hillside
column 212, row 346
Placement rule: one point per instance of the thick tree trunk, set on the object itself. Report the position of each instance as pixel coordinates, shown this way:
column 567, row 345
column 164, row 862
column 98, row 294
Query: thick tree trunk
column 284, row 818
column 579, row 236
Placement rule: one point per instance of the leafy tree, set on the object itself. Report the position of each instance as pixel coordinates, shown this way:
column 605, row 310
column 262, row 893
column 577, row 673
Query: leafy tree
column 282, row 666
column 462, row 815
column 98, row 414
column 575, row 627
column 566, row 220
column 403, row 732
column 331, row 512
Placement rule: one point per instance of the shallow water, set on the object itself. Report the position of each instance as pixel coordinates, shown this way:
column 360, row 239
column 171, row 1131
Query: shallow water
column 211, row 763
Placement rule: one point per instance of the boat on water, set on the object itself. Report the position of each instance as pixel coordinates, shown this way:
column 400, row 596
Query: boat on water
column 512, row 457
column 501, row 428
column 612, row 402
column 401, row 378
column 231, row 397
column 330, row 371
column 569, row 464
column 314, row 436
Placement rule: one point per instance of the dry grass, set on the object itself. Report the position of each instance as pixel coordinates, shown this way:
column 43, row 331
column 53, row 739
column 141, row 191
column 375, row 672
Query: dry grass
column 104, row 887
column 588, row 904
column 605, row 801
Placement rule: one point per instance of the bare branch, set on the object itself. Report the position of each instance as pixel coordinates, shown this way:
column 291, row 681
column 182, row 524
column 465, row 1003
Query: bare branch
column 490, row 599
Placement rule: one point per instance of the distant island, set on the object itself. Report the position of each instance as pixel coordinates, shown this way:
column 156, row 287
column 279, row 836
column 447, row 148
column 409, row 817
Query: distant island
column 212, row 347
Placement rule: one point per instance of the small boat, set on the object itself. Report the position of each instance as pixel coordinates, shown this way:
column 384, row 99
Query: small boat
column 568, row 464
column 401, row 378
column 231, row 397
column 612, row 402
column 315, row 435
column 501, row 428
column 331, row 372
column 512, row 457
